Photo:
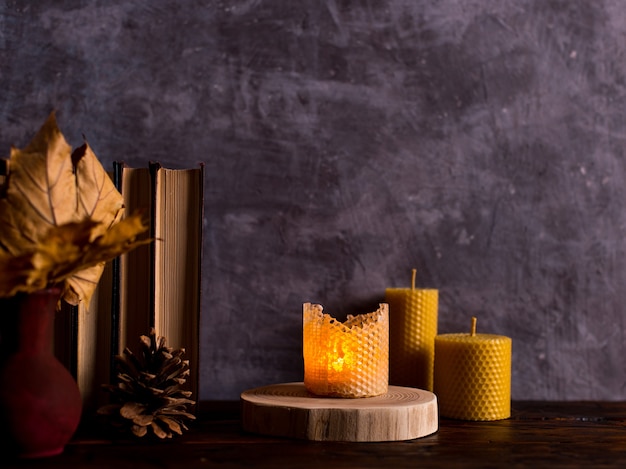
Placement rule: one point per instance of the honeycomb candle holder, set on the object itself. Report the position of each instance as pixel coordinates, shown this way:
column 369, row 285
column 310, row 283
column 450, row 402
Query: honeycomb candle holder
column 346, row 359
column 473, row 375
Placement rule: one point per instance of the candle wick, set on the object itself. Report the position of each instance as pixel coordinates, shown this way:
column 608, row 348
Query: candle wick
column 413, row 273
column 473, row 333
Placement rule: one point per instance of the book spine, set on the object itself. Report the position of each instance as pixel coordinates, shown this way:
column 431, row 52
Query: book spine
column 74, row 331
column 155, row 169
column 118, row 170
column 196, row 365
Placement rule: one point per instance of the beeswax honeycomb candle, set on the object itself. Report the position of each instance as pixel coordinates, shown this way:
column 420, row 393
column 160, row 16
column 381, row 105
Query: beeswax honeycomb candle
column 412, row 330
column 345, row 359
column 473, row 375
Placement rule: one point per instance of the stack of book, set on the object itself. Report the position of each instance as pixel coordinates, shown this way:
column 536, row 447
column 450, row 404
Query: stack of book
column 156, row 285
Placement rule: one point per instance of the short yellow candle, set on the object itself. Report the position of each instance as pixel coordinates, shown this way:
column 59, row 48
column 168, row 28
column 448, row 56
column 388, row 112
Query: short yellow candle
column 346, row 359
column 412, row 330
column 473, row 375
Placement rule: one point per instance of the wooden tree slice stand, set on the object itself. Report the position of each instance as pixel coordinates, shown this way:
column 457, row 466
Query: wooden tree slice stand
column 289, row 410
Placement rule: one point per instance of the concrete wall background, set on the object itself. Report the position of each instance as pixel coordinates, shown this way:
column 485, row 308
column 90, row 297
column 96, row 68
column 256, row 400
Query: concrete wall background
column 346, row 142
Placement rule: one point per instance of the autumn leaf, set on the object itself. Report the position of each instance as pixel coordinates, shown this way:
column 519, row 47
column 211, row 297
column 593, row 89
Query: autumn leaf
column 97, row 197
column 118, row 239
column 18, row 272
column 61, row 218
column 82, row 284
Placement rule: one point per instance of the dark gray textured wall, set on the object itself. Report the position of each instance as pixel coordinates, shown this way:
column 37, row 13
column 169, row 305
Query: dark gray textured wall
column 346, row 142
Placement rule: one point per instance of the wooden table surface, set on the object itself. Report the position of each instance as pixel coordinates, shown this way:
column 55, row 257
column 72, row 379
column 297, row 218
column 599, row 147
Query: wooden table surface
column 538, row 435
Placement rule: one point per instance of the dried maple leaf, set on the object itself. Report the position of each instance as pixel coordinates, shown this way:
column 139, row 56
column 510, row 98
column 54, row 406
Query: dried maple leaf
column 16, row 272
column 62, row 218
column 97, row 197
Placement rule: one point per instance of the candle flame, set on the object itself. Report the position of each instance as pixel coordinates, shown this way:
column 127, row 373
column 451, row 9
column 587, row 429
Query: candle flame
column 337, row 358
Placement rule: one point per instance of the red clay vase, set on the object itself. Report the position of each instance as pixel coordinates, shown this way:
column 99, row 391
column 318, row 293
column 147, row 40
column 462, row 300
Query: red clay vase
column 40, row 404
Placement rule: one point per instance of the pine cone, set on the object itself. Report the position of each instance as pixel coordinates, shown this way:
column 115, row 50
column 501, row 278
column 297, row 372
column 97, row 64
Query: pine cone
column 148, row 392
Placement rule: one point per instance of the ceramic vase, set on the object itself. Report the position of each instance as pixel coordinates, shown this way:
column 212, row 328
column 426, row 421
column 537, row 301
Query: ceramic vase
column 40, row 403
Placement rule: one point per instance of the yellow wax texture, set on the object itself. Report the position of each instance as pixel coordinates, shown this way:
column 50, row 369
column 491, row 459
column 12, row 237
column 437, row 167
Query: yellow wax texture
column 473, row 376
column 412, row 330
column 345, row 359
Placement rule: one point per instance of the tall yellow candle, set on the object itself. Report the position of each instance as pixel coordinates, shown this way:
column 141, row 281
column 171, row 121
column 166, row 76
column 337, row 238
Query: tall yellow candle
column 473, row 375
column 345, row 359
column 412, row 330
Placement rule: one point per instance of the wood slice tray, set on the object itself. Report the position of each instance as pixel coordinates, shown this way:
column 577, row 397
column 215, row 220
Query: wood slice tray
column 289, row 410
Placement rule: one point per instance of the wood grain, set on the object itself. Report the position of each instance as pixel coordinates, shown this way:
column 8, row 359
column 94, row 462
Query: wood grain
column 538, row 435
column 289, row 410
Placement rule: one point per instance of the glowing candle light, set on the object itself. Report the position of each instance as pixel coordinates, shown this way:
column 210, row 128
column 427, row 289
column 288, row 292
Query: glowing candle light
column 473, row 375
column 412, row 331
column 346, row 359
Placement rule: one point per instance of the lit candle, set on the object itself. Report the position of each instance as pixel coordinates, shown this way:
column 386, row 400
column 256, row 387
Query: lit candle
column 412, row 331
column 346, row 359
column 473, row 375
